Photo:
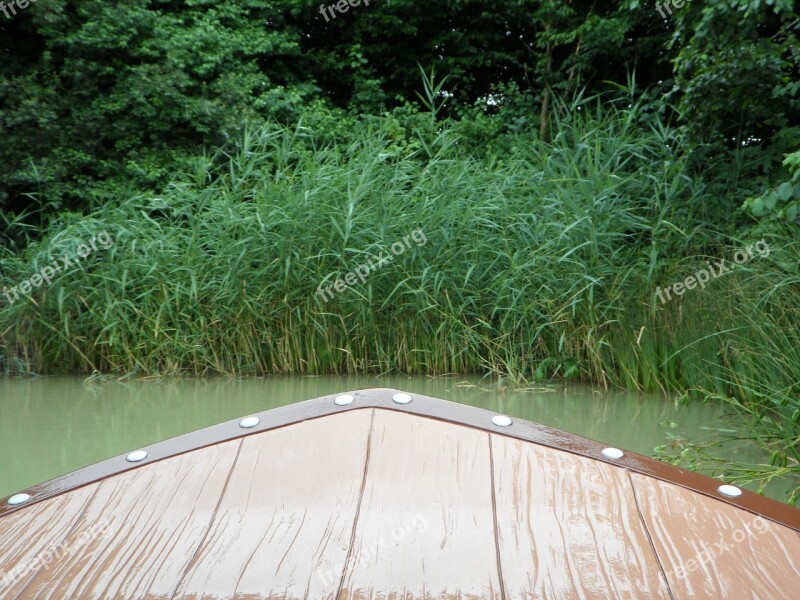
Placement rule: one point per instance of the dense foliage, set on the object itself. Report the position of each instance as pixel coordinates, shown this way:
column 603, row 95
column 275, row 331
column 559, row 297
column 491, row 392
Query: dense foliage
column 565, row 160
column 98, row 98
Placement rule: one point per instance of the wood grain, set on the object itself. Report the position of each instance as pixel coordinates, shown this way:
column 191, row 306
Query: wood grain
column 711, row 549
column 287, row 517
column 426, row 525
column 379, row 503
column 33, row 539
column 140, row 529
column 568, row 527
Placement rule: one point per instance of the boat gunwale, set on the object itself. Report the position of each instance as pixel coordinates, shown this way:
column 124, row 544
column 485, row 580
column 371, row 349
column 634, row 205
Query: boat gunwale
column 422, row 406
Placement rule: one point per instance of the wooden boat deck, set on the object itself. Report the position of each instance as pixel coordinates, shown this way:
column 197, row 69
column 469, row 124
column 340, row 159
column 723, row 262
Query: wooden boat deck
column 374, row 499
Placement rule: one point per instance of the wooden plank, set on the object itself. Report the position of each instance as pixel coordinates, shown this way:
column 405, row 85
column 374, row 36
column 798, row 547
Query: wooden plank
column 568, row 527
column 31, row 540
column 155, row 517
column 451, row 412
column 288, row 514
column 425, row 527
column 405, row 506
column 711, row 549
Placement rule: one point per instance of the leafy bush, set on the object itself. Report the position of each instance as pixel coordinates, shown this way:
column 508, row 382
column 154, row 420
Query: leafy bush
column 783, row 202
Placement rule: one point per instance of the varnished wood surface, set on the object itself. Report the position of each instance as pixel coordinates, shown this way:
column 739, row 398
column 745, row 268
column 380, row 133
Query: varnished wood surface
column 387, row 505
column 287, row 517
column 153, row 519
column 568, row 527
column 426, row 523
column 33, row 540
column 712, row 550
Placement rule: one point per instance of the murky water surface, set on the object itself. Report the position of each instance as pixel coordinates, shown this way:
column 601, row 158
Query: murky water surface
column 51, row 426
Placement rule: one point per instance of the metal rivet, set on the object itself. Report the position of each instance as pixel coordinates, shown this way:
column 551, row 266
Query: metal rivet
column 137, row 456
column 613, row 453
column 343, row 400
column 249, row 422
column 501, row 420
column 729, row 490
column 401, row 398
column 19, row 499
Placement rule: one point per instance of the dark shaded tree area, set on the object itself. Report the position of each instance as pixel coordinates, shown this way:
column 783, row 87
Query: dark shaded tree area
column 99, row 98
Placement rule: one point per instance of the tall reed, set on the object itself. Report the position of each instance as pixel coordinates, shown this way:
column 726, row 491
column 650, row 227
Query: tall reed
column 538, row 265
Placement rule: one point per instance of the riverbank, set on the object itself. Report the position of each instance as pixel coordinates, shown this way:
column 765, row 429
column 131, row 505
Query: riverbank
column 543, row 263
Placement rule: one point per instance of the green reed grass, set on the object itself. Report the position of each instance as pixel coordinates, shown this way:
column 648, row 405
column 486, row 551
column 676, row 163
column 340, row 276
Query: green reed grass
column 538, row 265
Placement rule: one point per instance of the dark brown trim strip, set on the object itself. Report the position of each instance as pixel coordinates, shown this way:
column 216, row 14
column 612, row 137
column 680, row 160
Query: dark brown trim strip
column 351, row 546
column 423, row 406
column 494, row 518
column 211, row 522
column 649, row 537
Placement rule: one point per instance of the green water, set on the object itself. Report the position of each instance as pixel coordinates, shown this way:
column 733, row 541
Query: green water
column 51, row 426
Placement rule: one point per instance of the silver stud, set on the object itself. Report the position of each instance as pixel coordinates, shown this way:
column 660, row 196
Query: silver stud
column 613, row 453
column 19, row 499
column 501, row 420
column 343, row 400
column 729, row 490
column 249, row 422
column 137, row 456
column 402, row 398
